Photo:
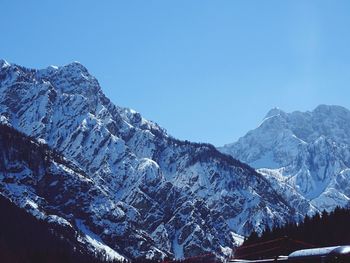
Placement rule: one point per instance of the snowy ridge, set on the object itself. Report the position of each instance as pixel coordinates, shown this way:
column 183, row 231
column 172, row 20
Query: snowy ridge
column 154, row 196
column 305, row 154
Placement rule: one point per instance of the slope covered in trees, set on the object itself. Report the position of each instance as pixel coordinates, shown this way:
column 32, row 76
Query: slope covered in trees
column 320, row 230
column 24, row 239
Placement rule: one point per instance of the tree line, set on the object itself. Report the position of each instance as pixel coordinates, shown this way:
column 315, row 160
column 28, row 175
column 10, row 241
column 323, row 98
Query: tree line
column 320, row 230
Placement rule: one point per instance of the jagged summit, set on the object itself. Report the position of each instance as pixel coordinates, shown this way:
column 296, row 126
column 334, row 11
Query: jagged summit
column 320, row 109
column 306, row 152
column 3, row 63
column 75, row 66
column 148, row 194
column 72, row 78
column 274, row 112
column 74, row 69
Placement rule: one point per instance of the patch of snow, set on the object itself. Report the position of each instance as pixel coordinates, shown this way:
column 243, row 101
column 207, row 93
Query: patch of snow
column 4, row 63
column 312, row 251
column 97, row 243
column 4, row 120
column 227, row 251
column 42, row 141
column 57, row 219
column 177, row 248
column 237, row 238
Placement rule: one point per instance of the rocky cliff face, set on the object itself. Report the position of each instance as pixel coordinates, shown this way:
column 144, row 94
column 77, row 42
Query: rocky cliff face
column 151, row 195
column 305, row 153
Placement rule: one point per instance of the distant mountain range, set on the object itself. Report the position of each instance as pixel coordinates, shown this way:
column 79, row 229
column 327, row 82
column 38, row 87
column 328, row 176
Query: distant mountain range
column 128, row 189
column 302, row 153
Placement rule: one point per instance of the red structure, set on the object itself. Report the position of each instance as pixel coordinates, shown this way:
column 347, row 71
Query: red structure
column 204, row 258
column 270, row 249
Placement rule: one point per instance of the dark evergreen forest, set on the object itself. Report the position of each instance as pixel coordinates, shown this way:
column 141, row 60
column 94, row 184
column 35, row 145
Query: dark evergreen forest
column 321, row 230
column 25, row 239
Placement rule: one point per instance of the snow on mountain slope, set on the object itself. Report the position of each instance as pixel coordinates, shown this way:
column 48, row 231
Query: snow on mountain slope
column 49, row 187
column 167, row 197
column 306, row 153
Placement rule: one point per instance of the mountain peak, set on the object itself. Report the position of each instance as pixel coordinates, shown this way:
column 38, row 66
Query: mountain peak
column 150, row 191
column 306, row 152
column 4, row 63
column 274, row 112
column 74, row 69
column 70, row 78
column 75, row 65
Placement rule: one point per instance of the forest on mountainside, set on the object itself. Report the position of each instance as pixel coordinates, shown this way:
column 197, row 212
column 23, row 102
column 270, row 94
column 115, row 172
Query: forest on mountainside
column 320, row 230
column 25, row 239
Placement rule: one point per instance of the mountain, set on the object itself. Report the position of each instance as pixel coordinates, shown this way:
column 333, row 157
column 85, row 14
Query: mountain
column 50, row 188
column 126, row 182
column 24, row 238
column 304, row 153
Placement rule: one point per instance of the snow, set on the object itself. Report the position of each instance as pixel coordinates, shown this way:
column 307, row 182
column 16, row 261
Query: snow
column 266, row 161
column 238, row 238
column 4, row 63
column 31, row 203
column 302, row 154
column 132, row 171
column 227, row 251
column 59, row 220
column 177, row 248
column 4, row 120
column 42, row 141
column 329, row 199
column 97, row 243
column 312, row 252
column 274, row 112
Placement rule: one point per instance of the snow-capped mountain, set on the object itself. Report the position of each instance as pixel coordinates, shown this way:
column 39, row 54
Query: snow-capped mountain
column 304, row 153
column 148, row 194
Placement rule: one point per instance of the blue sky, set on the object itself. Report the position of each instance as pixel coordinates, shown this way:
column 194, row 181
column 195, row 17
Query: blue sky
column 207, row 71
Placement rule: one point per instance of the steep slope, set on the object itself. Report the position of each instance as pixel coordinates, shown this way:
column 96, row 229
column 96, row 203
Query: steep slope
column 24, row 238
column 50, row 188
column 187, row 198
column 305, row 152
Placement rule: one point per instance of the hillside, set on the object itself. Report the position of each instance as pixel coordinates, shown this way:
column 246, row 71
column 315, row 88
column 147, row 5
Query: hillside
column 151, row 195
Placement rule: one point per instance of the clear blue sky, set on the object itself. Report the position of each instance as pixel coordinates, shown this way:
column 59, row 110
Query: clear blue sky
column 205, row 70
